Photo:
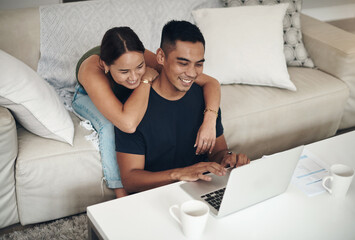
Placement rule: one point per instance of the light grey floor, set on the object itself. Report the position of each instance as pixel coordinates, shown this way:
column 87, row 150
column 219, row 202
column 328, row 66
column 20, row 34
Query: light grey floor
column 73, row 227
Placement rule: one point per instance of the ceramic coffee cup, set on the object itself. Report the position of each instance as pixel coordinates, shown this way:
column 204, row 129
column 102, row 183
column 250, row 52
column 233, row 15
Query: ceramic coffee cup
column 192, row 216
column 339, row 180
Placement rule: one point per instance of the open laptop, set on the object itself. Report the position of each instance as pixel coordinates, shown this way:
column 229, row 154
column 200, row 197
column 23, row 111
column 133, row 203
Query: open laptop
column 247, row 185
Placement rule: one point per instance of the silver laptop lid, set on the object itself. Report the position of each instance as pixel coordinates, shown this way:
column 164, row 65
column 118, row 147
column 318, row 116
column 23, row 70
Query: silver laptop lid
column 260, row 180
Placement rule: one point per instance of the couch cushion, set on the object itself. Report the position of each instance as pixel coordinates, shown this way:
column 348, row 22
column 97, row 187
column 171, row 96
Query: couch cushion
column 54, row 179
column 264, row 120
column 8, row 154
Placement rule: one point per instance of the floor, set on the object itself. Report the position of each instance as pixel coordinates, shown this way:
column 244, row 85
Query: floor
column 19, row 227
column 13, row 228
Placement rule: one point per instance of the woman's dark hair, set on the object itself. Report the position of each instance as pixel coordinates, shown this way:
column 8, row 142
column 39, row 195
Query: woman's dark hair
column 117, row 41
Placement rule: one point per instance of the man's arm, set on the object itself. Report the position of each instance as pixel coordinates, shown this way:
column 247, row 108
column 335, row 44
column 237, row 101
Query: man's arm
column 136, row 179
column 223, row 156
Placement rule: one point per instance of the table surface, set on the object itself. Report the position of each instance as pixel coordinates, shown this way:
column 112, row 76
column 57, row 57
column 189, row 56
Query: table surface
column 291, row 215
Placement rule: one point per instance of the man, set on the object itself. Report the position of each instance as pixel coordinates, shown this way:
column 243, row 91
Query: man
column 161, row 151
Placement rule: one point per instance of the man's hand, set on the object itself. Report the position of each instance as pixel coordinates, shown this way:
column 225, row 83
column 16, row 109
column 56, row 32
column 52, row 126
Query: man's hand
column 196, row 171
column 234, row 160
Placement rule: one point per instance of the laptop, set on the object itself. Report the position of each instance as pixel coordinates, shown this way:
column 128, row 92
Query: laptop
column 246, row 185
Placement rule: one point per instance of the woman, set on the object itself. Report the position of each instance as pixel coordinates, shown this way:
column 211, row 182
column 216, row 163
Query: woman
column 118, row 66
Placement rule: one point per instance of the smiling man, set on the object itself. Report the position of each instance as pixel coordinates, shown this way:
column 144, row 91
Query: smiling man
column 162, row 151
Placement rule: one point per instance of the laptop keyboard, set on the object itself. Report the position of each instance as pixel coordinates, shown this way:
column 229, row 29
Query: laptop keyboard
column 214, row 198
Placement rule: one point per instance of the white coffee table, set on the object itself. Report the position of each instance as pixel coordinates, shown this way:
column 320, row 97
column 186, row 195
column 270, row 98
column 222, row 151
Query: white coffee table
column 291, row 215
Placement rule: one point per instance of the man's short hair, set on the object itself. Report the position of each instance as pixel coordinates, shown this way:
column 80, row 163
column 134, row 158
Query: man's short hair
column 179, row 30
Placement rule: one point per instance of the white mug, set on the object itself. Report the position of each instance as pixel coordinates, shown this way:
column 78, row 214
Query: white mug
column 340, row 179
column 192, row 217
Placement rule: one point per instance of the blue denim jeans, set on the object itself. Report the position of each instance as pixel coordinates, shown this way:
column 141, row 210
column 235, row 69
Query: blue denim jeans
column 84, row 107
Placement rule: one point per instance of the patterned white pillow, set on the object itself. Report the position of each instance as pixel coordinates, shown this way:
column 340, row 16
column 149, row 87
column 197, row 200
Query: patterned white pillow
column 294, row 50
column 32, row 101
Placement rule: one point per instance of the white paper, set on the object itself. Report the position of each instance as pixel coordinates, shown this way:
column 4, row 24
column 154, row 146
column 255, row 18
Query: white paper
column 309, row 173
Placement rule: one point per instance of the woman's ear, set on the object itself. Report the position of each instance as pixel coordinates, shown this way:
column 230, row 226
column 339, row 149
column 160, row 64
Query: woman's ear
column 106, row 68
column 160, row 56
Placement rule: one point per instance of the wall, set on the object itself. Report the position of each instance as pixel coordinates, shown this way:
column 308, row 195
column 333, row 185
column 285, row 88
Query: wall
column 11, row 4
column 329, row 10
column 325, row 10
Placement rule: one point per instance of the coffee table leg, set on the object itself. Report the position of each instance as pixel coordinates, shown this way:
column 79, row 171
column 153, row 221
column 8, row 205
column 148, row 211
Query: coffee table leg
column 92, row 232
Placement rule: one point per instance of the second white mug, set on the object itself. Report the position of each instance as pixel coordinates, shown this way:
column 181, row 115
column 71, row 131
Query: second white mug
column 339, row 180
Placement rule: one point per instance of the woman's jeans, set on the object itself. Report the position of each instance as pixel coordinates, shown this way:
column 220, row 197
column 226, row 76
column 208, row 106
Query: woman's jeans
column 83, row 106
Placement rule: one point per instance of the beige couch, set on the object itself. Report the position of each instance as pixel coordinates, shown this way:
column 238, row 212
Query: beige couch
column 42, row 179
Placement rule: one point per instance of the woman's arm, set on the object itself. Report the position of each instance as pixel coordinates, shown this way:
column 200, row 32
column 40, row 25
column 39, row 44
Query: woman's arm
column 206, row 136
column 124, row 116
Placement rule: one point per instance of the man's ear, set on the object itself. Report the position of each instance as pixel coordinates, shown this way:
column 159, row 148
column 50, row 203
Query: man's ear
column 160, row 56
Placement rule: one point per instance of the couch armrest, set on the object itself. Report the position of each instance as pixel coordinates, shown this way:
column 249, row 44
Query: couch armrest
column 8, row 154
column 333, row 51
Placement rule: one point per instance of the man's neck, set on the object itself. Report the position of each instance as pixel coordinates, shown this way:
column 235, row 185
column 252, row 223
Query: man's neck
column 165, row 89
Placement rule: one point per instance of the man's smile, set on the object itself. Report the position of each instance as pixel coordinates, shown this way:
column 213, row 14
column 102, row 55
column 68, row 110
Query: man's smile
column 186, row 81
column 132, row 82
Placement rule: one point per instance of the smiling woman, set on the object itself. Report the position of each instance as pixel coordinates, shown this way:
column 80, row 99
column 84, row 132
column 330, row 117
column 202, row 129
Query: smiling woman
column 118, row 62
column 127, row 70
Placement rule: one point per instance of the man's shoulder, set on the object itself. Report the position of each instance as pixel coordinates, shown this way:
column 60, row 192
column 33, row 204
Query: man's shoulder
column 195, row 93
column 195, row 88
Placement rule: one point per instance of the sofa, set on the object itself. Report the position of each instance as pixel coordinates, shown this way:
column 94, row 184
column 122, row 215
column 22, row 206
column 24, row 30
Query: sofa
column 42, row 179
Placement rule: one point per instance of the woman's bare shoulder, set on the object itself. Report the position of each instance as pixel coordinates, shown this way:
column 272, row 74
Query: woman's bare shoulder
column 90, row 66
column 91, row 63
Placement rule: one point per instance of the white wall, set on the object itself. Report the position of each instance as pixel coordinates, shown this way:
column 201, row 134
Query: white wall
column 11, row 4
column 328, row 10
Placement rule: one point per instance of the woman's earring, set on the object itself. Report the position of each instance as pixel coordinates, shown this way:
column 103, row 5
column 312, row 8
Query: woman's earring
column 106, row 71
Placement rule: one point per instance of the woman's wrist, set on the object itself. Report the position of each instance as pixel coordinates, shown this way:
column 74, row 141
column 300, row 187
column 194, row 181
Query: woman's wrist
column 210, row 116
column 210, row 111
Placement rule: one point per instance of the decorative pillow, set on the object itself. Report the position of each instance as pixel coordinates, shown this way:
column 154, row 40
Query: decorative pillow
column 295, row 52
column 34, row 104
column 239, row 50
